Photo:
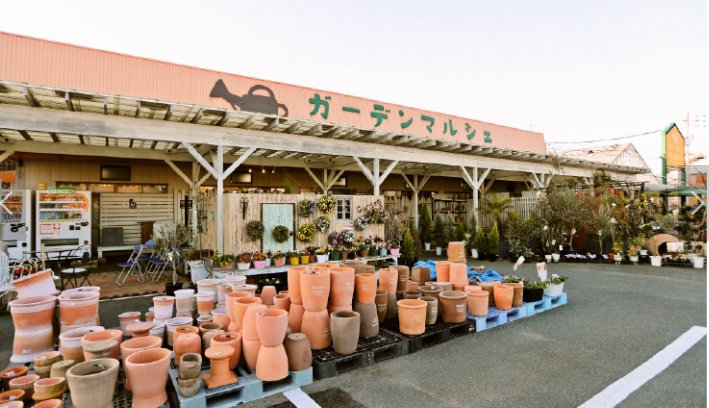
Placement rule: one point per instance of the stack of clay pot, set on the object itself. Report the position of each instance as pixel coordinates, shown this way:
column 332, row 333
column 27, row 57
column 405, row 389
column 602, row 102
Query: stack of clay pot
column 456, row 252
column 443, row 271
column 388, row 282
column 458, row 276
column 93, row 383
column 231, row 299
column 272, row 363
column 162, row 308
column 365, row 296
column 184, row 302
column 205, row 305
column 70, row 342
column 189, row 370
column 250, row 342
column 295, row 314
column 32, row 317
column 43, row 363
column 49, row 388
column 315, row 291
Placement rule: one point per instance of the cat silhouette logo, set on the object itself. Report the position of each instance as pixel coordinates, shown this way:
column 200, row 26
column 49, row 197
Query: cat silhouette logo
column 251, row 102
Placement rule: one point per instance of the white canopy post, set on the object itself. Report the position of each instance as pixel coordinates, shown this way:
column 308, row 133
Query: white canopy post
column 475, row 183
column 541, row 181
column 416, row 187
column 373, row 176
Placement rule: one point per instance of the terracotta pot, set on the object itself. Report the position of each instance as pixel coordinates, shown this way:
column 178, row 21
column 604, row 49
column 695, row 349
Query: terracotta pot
column 478, row 302
column 392, row 308
column 92, row 383
column 504, row 295
column 412, row 294
column 182, row 330
column 431, row 308
column 333, row 309
column 388, row 279
column 300, row 355
column 184, row 303
column 205, row 302
column 342, row 285
column 316, row 325
column 232, row 340
column 99, row 349
column 186, row 343
column 33, row 313
column 267, row 294
column 135, row 345
column 172, row 324
column 454, row 305
column 456, row 252
column 235, row 280
column 518, row 294
column 12, row 395
column 471, row 288
column 412, row 316
column 190, row 366
column 206, row 327
column 147, row 372
column 11, row 373
column 78, row 307
column 271, row 326
column 434, row 291
column 48, row 388
column 189, row 387
column 140, row 329
column 459, row 274
column 249, row 331
column 294, row 283
column 219, row 372
column 220, row 316
column 380, row 300
column 60, row 368
column 488, row 287
column 208, row 286
column 315, row 289
column 15, row 403
column 295, row 317
column 223, row 289
column 24, row 383
column 116, row 335
column 27, row 344
column 402, row 278
column 37, row 284
column 412, row 285
column 163, row 306
column 344, row 329
column 420, row 273
column 443, row 271
column 369, row 320
column 250, row 349
column 365, row 287
column 127, row 318
column 231, row 299
column 272, row 363
column 282, row 301
column 47, row 358
column 240, row 306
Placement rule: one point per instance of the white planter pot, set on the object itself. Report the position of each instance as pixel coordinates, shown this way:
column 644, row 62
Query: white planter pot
column 698, row 262
column 548, row 258
column 382, row 252
column 554, row 290
column 656, row 261
column 643, row 252
column 556, row 257
column 427, row 245
column 268, row 262
column 439, row 251
column 322, row 258
column 243, row 266
column 634, row 258
column 474, row 253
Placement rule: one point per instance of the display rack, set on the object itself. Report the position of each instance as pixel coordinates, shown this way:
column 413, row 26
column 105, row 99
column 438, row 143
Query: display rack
column 444, row 206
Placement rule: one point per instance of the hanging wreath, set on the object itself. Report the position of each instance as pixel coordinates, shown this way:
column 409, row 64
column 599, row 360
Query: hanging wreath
column 306, row 208
column 280, row 233
column 305, row 233
column 323, row 224
column 360, row 223
column 254, row 230
column 348, row 236
column 326, row 204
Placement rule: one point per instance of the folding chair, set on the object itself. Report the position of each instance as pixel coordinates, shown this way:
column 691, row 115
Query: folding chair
column 79, row 269
column 131, row 267
column 157, row 264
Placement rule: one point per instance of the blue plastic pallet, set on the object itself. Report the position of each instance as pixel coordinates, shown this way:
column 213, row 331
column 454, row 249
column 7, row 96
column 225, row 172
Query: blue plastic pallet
column 496, row 317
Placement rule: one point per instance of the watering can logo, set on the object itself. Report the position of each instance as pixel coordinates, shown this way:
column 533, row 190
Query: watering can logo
column 252, row 101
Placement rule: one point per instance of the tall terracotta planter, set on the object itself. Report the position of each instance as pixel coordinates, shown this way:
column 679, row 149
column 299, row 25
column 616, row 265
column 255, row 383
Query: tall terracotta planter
column 381, row 301
column 147, row 372
column 92, row 383
column 272, row 363
column 388, row 279
column 518, row 294
column 344, row 328
column 316, row 326
column 294, row 283
column 135, row 345
column 315, row 289
column 231, row 299
column 34, row 334
column 412, row 316
column 402, row 278
column 78, row 308
column 477, row 302
column 300, row 355
column 503, row 296
column 295, row 317
column 459, row 274
column 241, row 304
column 365, row 287
column 443, row 271
column 368, row 318
column 342, row 286
column 249, row 335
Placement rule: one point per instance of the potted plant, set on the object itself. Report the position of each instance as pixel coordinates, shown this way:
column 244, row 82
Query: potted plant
column 280, row 233
column 438, row 234
column 335, row 254
column 293, row 258
column 698, row 259
column 322, row 254
column 176, row 241
column 533, row 291
column 304, row 255
column 512, row 279
column 243, row 261
column 259, row 259
column 425, row 226
column 408, row 251
column 449, row 230
column 617, row 251
column 472, row 243
column 269, row 258
column 279, row 258
column 555, row 285
column 394, row 247
column 481, row 243
column 493, row 243
column 363, row 249
column 382, row 248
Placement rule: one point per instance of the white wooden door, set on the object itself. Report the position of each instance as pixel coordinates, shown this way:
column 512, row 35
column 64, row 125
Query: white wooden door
column 273, row 215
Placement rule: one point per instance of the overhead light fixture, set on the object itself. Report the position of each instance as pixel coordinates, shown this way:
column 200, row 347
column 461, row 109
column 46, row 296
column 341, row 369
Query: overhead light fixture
column 249, row 169
column 263, row 170
column 273, row 170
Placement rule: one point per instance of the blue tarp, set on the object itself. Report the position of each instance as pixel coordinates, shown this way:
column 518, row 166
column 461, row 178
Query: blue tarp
column 487, row 276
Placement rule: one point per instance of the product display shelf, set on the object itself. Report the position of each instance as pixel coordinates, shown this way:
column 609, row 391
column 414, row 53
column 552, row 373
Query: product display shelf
column 435, row 334
column 249, row 388
column 384, row 346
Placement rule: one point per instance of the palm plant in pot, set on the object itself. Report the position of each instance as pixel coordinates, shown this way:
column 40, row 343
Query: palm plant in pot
column 175, row 241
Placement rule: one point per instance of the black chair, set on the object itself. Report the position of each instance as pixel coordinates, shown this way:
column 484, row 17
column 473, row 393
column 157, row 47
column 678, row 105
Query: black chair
column 80, row 268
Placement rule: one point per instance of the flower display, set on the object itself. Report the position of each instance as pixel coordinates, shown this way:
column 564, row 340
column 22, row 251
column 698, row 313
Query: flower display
column 305, row 232
column 360, row 223
column 326, row 204
column 280, row 233
column 323, row 224
column 258, row 256
column 556, row 279
column 254, row 230
column 278, row 255
column 244, row 257
column 322, row 251
column 305, row 207
column 348, row 237
column 334, row 239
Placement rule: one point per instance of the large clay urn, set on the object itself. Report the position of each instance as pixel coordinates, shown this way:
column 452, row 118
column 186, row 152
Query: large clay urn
column 267, row 294
column 518, row 293
column 116, row 335
column 388, row 278
column 294, row 283
column 316, row 325
column 282, row 301
column 504, row 295
column 300, row 355
column 186, row 343
column 342, row 285
column 344, row 329
column 135, row 345
column 454, row 305
column 219, row 372
column 365, row 287
column 402, row 278
column 412, row 316
column 240, row 306
column 459, row 274
column 431, row 309
column 478, row 302
column 231, row 299
column 230, row 339
column 369, row 319
column 147, row 372
column 380, row 300
column 92, row 383
column 443, row 271
column 315, row 289
column 295, row 317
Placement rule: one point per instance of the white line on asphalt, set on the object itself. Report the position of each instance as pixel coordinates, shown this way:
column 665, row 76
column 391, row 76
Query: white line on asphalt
column 619, row 390
column 300, row 399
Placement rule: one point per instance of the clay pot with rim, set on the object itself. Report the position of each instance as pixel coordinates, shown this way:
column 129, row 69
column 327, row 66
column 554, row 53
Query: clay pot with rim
column 488, row 287
column 282, row 301
column 186, row 343
column 240, row 305
column 137, row 344
column 184, row 301
column 271, row 326
column 172, row 324
column 518, row 294
column 316, row 326
column 458, row 274
column 205, row 302
column 78, row 307
column 33, row 313
column 314, row 288
column 368, row 318
column 100, row 349
column 412, row 316
column 388, row 279
column 454, row 305
column 365, row 287
column 43, row 362
column 434, row 291
column 140, row 329
column 342, row 286
column 11, row 373
column 478, row 302
column 147, row 372
column 431, row 309
column 300, row 355
column 24, row 383
column 294, row 283
column 402, row 277
column 208, row 286
column 220, row 316
column 295, row 317
column 93, row 383
column 231, row 298
column 182, row 330
column 60, row 368
column 102, row 335
column 443, row 271
column 11, row 396
column 48, row 388
column 50, row 403
column 219, row 373
column 504, row 295
column 36, row 284
column 190, row 366
column 267, row 294
column 344, row 329
column 163, row 306
column 381, row 301
column 205, row 327
column 233, row 340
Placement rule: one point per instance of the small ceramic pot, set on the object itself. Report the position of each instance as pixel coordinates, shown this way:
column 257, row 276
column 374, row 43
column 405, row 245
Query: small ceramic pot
column 220, row 316
column 32, row 313
column 50, row 403
column 344, row 329
column 78, row 307
column 92, row 384
column 48, row 388
column 147, row 372
column 503, row 296
column 36, row 284
column 412, row 316
column 454, row 305
column 365, row 287
column 163, row 306
column 11, row 373
column 431, row 309
column 342, row 286
column 188, row 387
column 300, row 355
column 60, row 368
column 190, row 366
column 11, row 396
column 205, row 302
column 208, row 286
column 488, row 287
column 102, row 335
column 271, row 326
column 100, row 349
column 24, row 383
column 232, row 340
column 412, row 294
column 186, row 343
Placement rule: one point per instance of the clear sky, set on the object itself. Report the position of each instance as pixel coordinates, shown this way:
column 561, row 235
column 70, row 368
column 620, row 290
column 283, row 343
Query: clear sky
column 572, row 70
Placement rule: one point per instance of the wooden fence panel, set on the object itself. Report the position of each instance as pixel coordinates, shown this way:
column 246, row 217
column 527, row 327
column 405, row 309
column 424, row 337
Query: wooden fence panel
column 116, row 212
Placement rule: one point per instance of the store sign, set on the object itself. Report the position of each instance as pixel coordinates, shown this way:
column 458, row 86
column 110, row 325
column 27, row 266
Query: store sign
column 61, row 190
